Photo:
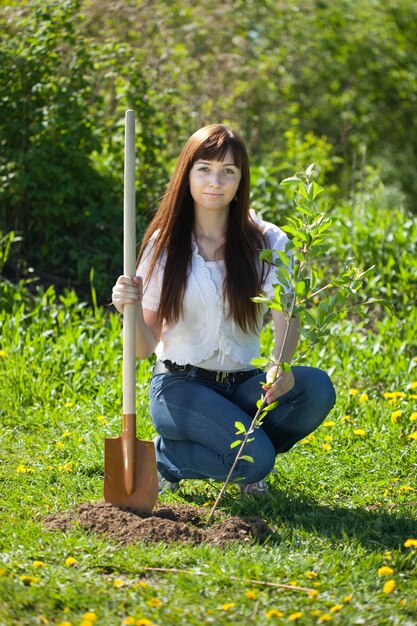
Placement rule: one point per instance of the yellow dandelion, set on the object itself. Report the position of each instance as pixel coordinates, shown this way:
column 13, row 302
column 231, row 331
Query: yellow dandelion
column 389, row 586
column 86, row 622
column 140, row 584
column 21, row 469
column 328, row 438
column 90, row 615
column 359, row 432
column 394, row 395
column 315, row 613
column 345, row 418
column 387, row 554
column 413, row 416
column 308, row 439
column 336, row 608
column 313, row 594
column 413, row 385
column 316, row 583
column 60, row 445
column 353, row 392
column 413, row 396
column 413, row 436
column 129, row 621
column 68, row 405
column 363, row 398
column 395, row 415
column 227, row 606
column 347, row 599
column 101, row 419
column 143, row 621
column 326, row 617
column 415, row 359
column 295, row 616
column 406, row 488
column 154, row 603
column 293, row 583
column 67, row 433
column 3, row 354
column 311, row 575
column 251, row 595
column 43, row 619
column 326, row 447
column 70, row 561
column 67, row 467
column 2, row 571
column 385, row 570
column 64, row 624
column 410, row 543
column 38, row 564
column 28, row 580
column 118, row 582
column 329, row 424
column 80, row 439
column 274, row 613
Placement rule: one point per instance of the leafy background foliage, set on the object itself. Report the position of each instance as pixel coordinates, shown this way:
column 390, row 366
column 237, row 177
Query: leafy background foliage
column 322, row 81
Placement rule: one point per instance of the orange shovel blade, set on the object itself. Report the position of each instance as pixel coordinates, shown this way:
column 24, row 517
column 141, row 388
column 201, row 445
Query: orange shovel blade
column 142, row 494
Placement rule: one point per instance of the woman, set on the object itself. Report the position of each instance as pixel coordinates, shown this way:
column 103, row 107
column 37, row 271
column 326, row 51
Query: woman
column 198, row 268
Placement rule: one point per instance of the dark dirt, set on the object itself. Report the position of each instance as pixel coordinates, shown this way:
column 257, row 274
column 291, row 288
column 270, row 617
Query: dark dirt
column 174, row 524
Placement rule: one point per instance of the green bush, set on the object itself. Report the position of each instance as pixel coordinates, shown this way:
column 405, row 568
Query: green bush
column 61, row 164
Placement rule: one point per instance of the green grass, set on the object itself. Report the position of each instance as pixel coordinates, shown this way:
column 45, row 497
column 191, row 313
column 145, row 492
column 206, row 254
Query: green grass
column 342, row 503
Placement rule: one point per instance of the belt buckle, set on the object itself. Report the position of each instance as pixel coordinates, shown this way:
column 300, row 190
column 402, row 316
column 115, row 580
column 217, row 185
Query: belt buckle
column 220, row 376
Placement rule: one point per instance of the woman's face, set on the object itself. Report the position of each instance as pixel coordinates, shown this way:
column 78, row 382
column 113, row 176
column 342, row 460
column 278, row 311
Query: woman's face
column 213, row 184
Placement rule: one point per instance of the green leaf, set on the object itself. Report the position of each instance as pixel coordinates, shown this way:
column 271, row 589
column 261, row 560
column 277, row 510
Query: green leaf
column 290, row 181
column 271, row 407
column 260, row 361
column 236, row 443
column 260, row 402
column 284, row 258
column 265, row 255
column 248, row 458
column 261, row 300
column 315, row 190
column 303, row 191
column 310, row 169
column 240, row 428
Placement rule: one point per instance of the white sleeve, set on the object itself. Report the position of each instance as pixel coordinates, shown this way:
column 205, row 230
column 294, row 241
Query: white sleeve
column 153, row 286
column 277, row 240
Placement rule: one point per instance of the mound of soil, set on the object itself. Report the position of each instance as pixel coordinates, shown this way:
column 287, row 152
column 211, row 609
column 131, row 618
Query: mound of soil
column 174, row 524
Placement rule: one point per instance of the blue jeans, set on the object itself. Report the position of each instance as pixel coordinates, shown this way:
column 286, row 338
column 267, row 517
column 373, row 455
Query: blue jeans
column 196, row 422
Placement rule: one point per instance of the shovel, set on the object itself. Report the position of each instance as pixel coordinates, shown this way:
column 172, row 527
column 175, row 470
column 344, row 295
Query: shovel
column 130, row 477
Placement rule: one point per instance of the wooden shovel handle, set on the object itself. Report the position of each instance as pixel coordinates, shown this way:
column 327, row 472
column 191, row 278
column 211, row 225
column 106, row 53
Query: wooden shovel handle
column 129, row 267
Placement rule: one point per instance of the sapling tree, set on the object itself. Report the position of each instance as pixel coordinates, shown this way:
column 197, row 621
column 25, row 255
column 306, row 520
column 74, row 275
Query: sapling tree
column 300, row 289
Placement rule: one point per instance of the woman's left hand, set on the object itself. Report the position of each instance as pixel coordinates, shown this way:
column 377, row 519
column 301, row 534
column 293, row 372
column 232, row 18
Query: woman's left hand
column 282, row 384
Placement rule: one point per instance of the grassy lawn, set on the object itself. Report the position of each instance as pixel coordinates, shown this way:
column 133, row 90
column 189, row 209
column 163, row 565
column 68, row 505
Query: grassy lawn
column 342, row 503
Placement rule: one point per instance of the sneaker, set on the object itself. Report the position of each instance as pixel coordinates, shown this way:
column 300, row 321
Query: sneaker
column 254, row 489
column 164, row 486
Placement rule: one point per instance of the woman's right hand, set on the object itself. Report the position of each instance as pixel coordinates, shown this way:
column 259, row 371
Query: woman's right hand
column 127, row 290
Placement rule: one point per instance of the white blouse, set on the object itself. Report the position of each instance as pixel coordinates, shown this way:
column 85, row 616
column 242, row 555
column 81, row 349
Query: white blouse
column 205, row 334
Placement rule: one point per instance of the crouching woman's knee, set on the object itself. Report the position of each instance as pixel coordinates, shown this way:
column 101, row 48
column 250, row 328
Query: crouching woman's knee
column 260, row 459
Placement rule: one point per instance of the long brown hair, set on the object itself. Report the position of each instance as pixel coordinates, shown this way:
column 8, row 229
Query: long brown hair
column 174, row 221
